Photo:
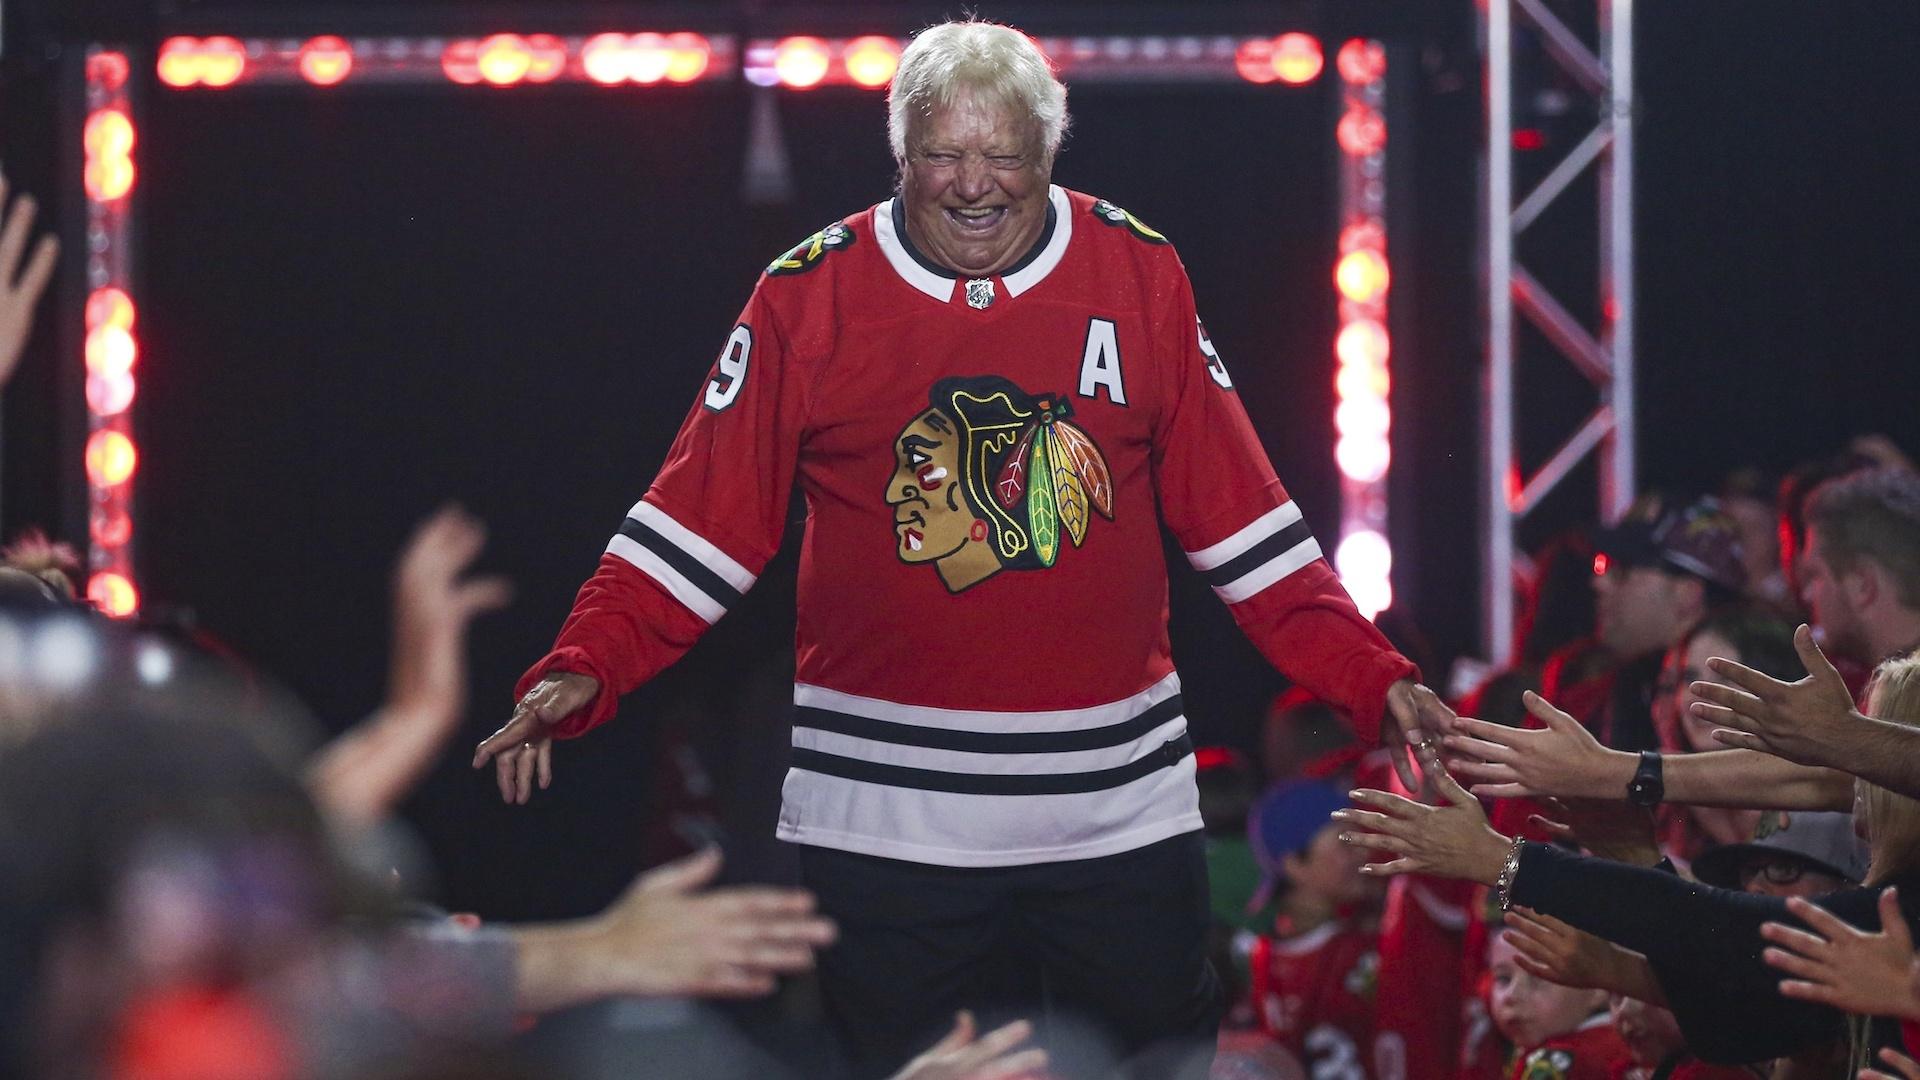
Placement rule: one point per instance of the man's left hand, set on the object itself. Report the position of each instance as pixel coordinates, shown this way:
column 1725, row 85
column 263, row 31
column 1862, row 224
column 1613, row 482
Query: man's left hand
column 1804, row 722
column 1414, row 714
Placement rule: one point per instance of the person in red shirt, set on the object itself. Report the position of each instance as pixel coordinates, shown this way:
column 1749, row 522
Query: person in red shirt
column 1312, row 977
column 1560, row 1033
column 993, row 393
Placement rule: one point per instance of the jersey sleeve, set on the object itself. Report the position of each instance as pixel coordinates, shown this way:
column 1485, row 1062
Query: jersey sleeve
column 1240, row 529
column 698, row 539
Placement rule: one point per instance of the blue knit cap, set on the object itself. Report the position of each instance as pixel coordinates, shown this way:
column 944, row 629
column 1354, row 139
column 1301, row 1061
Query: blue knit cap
column 1285, row 818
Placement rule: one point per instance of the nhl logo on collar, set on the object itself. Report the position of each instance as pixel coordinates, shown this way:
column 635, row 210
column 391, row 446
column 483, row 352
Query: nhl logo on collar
column 980, row 293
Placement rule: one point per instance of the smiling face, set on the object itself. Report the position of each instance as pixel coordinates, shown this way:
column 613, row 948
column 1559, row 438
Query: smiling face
column 974, row 185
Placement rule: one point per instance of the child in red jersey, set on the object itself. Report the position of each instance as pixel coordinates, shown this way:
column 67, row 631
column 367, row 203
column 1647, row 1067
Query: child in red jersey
column 1560, row 1033
column 1312, row 977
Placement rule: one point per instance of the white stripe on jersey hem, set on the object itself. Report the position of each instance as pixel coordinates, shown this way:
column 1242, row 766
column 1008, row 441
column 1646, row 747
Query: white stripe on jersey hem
column 1056, row 249
column 1117, row 712
column 940, row 288
column 1447, row 916
column 976, row 763
column 1133, row 839
column 1239, row 543
column 1309, row 941
column 689, row 594
column 693, row 544
column 1269, row 572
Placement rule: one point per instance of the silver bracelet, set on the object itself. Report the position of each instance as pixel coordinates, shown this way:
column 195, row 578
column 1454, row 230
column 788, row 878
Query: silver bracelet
column 1503, row 885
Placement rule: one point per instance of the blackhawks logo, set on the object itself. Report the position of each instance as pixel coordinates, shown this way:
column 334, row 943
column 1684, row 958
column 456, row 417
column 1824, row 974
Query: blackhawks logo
column 1113, row 215
column 1547, row 1064
column 807, row 254
column 991, row 478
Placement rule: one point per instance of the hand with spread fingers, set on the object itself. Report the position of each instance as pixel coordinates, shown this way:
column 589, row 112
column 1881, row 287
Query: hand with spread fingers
column 1562, row 759
column 1805, row 721
column 1451, row 840
column 1849, row 969
column 1908, row 1068
column 1550, row 949
column 993, row 1056
column 671, row 936
column 1414, row 716
column 20, row 290
column 522, row 750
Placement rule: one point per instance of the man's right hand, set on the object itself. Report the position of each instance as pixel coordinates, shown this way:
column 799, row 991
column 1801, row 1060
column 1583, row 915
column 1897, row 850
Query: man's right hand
column 523, row 748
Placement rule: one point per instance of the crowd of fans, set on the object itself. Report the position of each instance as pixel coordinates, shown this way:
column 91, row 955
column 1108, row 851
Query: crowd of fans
column 1675, row 839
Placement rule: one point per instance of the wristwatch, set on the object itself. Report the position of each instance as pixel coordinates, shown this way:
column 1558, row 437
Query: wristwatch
column 1647, row 787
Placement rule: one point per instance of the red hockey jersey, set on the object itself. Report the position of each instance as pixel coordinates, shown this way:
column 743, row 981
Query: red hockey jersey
column 1314, row 995
column 984, row 676
column 1418, row 1012
column 1591, row 1052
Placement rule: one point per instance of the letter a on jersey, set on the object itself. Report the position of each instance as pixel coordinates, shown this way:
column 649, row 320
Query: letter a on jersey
column 1100, row 363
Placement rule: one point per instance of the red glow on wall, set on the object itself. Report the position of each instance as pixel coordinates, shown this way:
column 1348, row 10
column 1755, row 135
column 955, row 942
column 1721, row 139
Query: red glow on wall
column 1361, row 61
column 1529, row 139
column 1362, row 131
column 107, row 70
column 1254, row 61
column 325, row 61
column 460, row 61
column 110, row 527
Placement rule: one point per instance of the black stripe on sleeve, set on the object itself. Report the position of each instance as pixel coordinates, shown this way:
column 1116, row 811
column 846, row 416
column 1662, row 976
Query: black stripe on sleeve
column 989, row 742
column 1169, row 754
column 1259, row 554
column 688, row 567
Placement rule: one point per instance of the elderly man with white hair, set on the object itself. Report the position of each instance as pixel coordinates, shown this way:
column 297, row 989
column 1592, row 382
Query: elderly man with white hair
column 992, row 392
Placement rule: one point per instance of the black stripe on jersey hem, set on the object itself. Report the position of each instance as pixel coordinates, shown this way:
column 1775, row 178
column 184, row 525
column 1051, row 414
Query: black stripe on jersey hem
column 685, row 564
column 899, row 215
column 1169, row 754
column 988, row 742
column 1260, row 554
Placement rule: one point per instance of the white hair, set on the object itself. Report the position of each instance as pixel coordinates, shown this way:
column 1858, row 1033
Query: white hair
column 945, row 61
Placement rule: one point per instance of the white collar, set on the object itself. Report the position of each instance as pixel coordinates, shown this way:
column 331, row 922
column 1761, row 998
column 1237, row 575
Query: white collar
column 941, row 287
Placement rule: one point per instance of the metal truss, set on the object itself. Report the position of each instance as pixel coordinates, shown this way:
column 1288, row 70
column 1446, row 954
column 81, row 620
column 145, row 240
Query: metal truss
column 1603, row 353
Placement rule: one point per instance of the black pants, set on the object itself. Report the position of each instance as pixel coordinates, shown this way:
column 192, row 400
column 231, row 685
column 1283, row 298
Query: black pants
column 1107, row 956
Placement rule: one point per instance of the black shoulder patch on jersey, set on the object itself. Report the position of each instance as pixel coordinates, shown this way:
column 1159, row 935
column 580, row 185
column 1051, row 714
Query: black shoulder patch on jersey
column 1114, row 215
column 809, row 253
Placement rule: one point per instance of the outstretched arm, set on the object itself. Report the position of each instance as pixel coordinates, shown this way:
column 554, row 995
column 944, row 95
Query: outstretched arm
column 1564, row 760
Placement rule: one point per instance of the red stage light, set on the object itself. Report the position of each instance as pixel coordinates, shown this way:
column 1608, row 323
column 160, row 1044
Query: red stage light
column 1361, row 380
column 110, row 527
column 1600, row 564
column 504, row 59
column 113, row 594
column 1363, row 457
column 110, row 350
column 108, row 134
column 1368, row 233
column 1361, row 61
column 1362, row 131
column 111, row 458
column 648, row 58
column 109, row 307
column 1362, row 275
column 1528, row 139
column 549, row 58
column 688, row 57
column 1296, row 58
column 604, row 57
column 800, row 62
column 107, row 70
column 461, row 61
column 1254, row 61
column 179, row 64
column 108, row 179
column 109, row 395
column 871, row 61
column 222, row 61
column 1362, row 343
column 324, row 61
column 1365, row 417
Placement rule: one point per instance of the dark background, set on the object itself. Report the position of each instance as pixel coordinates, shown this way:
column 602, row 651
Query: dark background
column 360, row 304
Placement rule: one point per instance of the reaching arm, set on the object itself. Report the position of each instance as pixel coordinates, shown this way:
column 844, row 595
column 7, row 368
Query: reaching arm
column 1564, row 760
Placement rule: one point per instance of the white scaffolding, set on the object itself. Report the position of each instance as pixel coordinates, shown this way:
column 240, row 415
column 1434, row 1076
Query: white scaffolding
column 1604, row 353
